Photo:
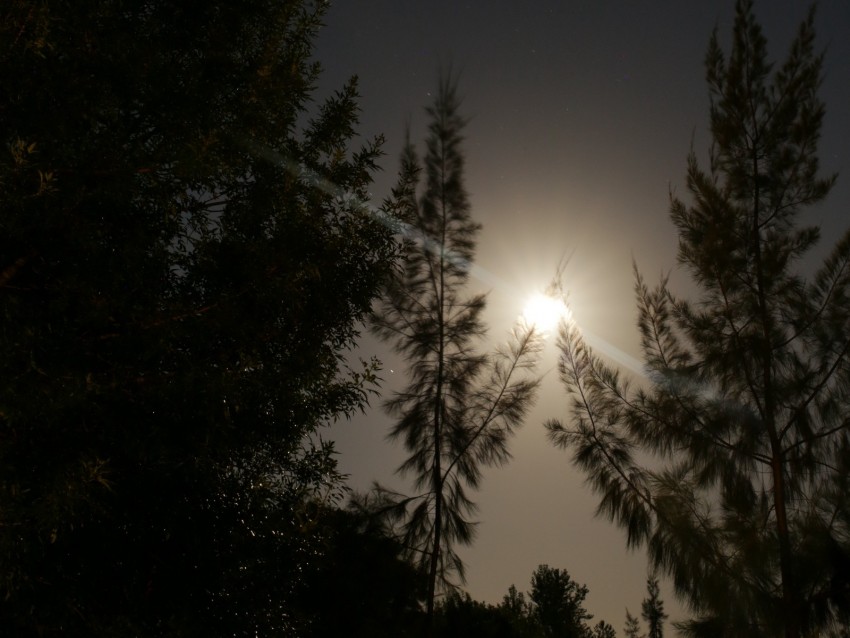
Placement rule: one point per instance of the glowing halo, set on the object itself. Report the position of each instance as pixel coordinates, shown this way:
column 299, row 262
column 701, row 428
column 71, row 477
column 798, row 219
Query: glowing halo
column 545, row 312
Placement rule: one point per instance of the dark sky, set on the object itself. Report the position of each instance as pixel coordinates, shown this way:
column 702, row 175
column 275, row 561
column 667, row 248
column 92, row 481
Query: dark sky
column 582, row 113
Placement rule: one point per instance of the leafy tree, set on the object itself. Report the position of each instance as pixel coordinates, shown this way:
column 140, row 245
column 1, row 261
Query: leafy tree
column 558, row 603
column 744, row 410
column 460, row 407
column 182, row 265
column 520, row 612
column 458, row 616
column 632, row 628
column 554, row 609
column 652, row 609
column 362, row 586
column 515, row 602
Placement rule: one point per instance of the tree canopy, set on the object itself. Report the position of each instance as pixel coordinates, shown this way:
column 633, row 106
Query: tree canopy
column 461, row 406
column 744, row 411
column 185, row 254
column 652, row 609
column 553, row 607
column 558, row 603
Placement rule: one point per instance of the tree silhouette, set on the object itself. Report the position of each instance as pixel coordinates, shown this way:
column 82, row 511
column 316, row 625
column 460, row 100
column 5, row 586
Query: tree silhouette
column 603, row 630
column 458, row 616
column 745, row 406
column 558, row 601
column 460, row 407
column 632, row 627
column 652, row 609
column 361, row 587
column 520, row 613
column 184, row 257
column 554, row 608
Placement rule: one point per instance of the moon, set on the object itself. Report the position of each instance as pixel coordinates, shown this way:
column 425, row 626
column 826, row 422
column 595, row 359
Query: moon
column 544, row 312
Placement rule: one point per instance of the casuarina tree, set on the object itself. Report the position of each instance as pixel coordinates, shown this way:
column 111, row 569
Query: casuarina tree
column 632, row 626
column 460, row 406
column 742, row 416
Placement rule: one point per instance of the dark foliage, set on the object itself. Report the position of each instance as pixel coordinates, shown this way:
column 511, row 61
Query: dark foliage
column 632, row 626
column 460, row 407
column 363, row 587
column 744, row 503
column 458, row 616
column 554, row 607
column 558, row 601
column 603, row 630
column 652, row 609
column 182, row 265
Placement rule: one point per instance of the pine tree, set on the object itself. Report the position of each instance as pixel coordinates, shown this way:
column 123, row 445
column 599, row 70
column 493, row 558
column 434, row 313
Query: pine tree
column 652, row 609
column 460, row 407
column 632, row 627
column 745, row 405
column 603, row 630
column 184, row 258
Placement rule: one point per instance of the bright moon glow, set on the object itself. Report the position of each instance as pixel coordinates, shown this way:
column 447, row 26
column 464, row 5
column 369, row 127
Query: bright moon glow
column 545, row 312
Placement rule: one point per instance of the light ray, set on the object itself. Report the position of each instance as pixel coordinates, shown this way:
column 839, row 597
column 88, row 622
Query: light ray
column 596, row 342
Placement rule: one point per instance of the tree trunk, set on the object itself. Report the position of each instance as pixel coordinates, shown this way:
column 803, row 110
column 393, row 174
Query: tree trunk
column 790, row 602
column 436, row 478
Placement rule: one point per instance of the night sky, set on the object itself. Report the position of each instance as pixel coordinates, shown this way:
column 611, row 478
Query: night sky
column 582, row 113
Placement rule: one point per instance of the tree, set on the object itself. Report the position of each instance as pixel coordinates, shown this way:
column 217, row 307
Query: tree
column 652, row 609
column 460, row 407
column 555, row 609
column 632, row 627
column 603, row 630
column 744, row 408
column 184, row 259
column 558, row 603
column 520, row 613
column 459, row 616
column 514, row 602
column 362, row 586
